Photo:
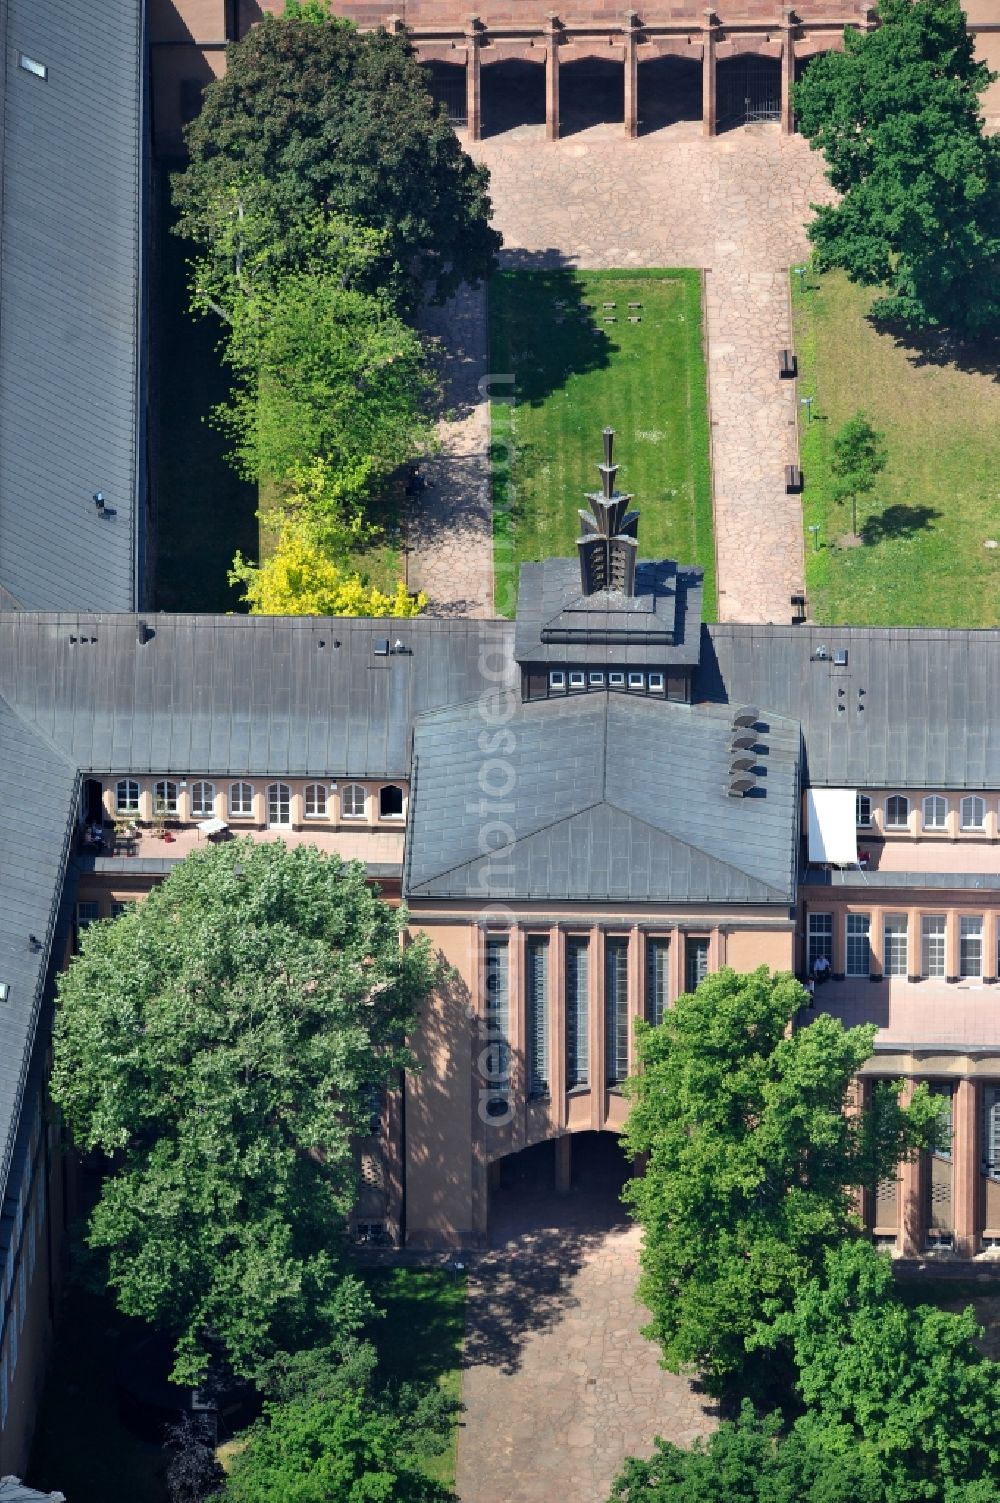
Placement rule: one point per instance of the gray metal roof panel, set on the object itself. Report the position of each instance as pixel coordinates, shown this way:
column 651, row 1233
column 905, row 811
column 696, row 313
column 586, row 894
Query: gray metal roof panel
column 69, row 302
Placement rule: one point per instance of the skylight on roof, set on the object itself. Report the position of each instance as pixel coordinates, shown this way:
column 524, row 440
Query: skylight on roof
column 30, row 65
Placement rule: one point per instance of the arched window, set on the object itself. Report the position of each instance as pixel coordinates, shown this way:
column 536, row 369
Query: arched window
column 127, row 796
column 241, row 801
column 353, row 801
column 973, row 812
column 935, row 812
column 203, row 800
column 164, row 799
column 279, row 805
column 390, row 802
column 315, row 801
column 862, row 811
column 897, row 812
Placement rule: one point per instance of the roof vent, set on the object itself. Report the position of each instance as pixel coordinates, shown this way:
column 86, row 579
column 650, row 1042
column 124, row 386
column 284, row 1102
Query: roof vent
column 741, row 785
column 840, row 657
column 742, row 763
column 142, row 633
column 744, row 741
column 748, row 716
column 381, row 647
column 821, row 654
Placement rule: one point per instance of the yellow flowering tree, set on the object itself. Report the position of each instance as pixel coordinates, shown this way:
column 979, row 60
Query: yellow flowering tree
column 302, row 579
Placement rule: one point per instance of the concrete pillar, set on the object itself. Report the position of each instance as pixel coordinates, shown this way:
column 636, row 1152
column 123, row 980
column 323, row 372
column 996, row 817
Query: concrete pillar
column 563, row 1147
column 473, row 71
column 260, row 806
column 631, row 75
column 965, row 1169
column 787, row 69
column 184, row 802
column 296, row 808
column 876, row 942
column 911, row 1194
column 951, row 946
column 552, row 36
column 708, row 104
column 990, row 945
column 914, row 945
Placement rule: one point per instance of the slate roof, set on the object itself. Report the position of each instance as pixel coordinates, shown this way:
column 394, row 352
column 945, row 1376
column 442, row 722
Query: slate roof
column 605, row 797
column 241, row 694
column 70, row 261
column 931, row 716
column 40, row 788
column 659, row 624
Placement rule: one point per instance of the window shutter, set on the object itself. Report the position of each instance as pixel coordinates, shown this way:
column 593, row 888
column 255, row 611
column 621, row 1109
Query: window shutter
column 577, row 1012
column 538, row 1016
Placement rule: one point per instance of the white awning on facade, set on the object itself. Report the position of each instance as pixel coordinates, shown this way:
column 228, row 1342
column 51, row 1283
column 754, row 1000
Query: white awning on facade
column 833, row 836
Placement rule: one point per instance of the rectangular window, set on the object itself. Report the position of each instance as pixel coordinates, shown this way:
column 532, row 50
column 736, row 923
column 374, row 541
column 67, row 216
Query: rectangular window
column 557, row 680
column 935, row 813
column 616, row 1008
column 970, row 946
column 577, row 1011
column 657, row 980
column 117, row 909
column 87, row 913
column 862, row 811
column 859, row 955
column 991, row 1131
column 637, row 681
column 616, row 680
column 596, row 679
column 973, row 813
column 894, row 956
column 577, row 680
column 497, row 1065
column 537, row 995
column 656, row 683
column 820, row 939
column 32, row 66
column 695, row 961
column 932, row 942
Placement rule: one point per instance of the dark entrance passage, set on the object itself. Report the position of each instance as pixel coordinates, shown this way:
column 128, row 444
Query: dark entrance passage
column 523, row 1188
column 749, row 90
column 92, row 805
column 669, row 91
column 591, row 92
column 447, row 84
column 512, row 95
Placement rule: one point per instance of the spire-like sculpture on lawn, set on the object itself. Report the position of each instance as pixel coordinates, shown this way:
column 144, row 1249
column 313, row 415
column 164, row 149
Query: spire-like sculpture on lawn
column 609, row 545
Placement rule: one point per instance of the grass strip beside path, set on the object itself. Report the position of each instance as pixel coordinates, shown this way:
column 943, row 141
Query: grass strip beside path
column 561, row 373
column 922, row 561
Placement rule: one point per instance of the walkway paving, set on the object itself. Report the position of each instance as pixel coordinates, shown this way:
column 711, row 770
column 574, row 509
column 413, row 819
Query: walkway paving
column 449, row 532
column 734, row 205
column 559, row 1385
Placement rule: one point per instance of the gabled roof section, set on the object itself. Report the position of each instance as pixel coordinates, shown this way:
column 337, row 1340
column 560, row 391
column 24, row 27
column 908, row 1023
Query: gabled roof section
column 907, row 708
column 255, row 695
column 71, row 206
column 38, row 790
column 600, row 797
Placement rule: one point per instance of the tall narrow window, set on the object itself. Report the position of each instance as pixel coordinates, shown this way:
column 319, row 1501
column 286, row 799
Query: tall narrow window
column 616, row 1008
column 897, row 812
column 537, row 997
column 390, row 802
column 497, row 1062
column 315, row 801
column 695, row 961
column 932, row 943
column 203, row 800
column 935, row 812
column 127, row 796
column 164, row 799
column 991, row 1131
column 894, row 945
column 657, row 980
column 353, row 801
column 862, row 811
column 241, row 801
column 87, row 913
column 973, row 812
column 577, row 1011
column 859, row 955
column 970, row 946
column 279, row 805
column 820, row 939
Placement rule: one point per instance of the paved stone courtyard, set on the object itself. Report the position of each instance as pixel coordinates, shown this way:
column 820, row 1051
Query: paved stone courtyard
column 559, row 1385
column 734, row 205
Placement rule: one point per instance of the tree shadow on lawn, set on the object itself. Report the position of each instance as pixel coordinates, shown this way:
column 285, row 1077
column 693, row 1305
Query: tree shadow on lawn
column 544, row 327
column 976, row 357
column 898, row 521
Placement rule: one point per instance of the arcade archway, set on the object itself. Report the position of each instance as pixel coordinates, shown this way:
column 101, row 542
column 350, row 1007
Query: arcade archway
column 513, row 95
column 748, row 90
column 447, row 84
column 570, row 1183
column 591, row 92
column 669, row 92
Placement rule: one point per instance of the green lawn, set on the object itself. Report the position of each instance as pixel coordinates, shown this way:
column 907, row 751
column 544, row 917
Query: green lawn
column 204, row 512
column 922, row 562
column 573, row 374
column 420, row 1339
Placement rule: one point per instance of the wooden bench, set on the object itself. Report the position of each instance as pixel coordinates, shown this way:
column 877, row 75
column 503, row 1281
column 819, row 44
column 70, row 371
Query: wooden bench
column 787, row 365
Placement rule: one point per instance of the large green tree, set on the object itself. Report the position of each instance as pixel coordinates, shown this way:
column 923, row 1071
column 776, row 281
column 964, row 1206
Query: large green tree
column 897, row 116
column 220, row 1042
column 905, row 1387
column 752, row 1163
column 344, row 122
column 750, row 1460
